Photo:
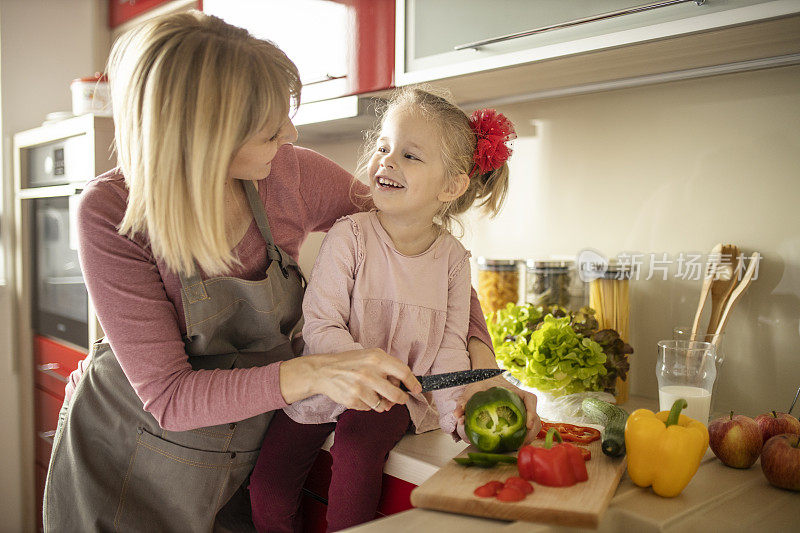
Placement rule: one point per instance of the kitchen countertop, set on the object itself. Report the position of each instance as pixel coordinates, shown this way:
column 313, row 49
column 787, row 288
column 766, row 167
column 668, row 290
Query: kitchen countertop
column 718, row 497
column 417, row 457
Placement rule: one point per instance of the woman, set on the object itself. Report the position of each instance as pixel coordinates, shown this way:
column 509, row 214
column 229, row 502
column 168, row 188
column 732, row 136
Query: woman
column 198, row 289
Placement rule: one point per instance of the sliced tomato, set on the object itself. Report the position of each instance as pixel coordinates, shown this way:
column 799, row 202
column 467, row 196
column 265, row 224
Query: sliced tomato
column 510, row 494
column 489, row 489
column 519, row 483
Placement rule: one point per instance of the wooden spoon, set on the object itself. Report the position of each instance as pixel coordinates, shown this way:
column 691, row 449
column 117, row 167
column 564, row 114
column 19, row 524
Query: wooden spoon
column 725, row 279
column 737, row 294
column 715, row 252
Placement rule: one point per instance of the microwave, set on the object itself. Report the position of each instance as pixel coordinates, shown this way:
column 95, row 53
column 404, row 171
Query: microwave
column 58, row 162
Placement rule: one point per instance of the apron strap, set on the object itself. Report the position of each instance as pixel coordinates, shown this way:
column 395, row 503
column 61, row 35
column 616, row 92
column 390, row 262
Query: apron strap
column 192, row 284
column 193, row 287
column 257, row 208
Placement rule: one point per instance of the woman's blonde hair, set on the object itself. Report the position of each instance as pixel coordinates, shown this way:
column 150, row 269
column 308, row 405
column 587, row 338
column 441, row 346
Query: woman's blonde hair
column 488, row 189
column 187, row 91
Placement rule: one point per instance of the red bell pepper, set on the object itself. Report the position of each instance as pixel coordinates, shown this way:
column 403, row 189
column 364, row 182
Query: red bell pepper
column 586, row 454
column 570, row 432
column 559, row 465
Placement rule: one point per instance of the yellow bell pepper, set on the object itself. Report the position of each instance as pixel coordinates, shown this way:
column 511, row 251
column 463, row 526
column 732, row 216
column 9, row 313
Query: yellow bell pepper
column 664, row 449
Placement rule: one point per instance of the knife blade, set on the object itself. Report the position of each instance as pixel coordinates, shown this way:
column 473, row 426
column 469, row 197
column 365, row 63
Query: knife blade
column 455, row 379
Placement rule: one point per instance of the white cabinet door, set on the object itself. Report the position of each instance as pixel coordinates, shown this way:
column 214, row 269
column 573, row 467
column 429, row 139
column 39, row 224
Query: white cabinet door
column 311, row 32
column 430, row 31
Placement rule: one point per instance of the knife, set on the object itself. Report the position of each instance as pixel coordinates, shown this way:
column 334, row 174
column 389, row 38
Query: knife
column 455, row 379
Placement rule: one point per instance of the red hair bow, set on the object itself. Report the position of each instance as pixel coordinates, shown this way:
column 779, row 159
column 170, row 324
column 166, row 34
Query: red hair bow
column 493, row 131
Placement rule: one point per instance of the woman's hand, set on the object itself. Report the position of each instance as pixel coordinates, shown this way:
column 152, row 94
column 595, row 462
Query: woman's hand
column 482, row 356
column 359, row 379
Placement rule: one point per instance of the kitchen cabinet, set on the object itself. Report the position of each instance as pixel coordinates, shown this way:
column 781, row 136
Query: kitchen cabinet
column 55, row 320
column 340, row 47
column 121, row 12
column 679, row 36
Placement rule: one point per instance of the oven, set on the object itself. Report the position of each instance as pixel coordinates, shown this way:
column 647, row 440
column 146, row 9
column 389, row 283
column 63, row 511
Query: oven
column 60, row 303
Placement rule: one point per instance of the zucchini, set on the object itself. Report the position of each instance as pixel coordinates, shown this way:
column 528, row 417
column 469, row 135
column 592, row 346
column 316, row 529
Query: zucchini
column 613, row 419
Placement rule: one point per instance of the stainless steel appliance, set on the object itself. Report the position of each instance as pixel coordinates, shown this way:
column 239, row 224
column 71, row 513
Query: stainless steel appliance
column 60, row 303
column 54, row 322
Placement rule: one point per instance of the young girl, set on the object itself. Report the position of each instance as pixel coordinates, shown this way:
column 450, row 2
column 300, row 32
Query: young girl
column 393, row 278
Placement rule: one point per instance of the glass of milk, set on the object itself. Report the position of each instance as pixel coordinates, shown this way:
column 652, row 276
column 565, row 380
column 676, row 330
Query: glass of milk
column 686, row 369
column 684, row 333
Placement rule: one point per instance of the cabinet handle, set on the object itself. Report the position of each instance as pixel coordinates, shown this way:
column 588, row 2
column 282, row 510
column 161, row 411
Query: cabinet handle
column 576, row 22
column 48, row 436
column 326, row 77
column 50, row 370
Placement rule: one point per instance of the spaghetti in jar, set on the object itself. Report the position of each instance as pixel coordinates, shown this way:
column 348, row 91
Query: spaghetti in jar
column 609, row 296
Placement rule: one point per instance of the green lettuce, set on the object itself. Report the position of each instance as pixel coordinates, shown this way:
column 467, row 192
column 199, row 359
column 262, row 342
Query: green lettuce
column 545, row 352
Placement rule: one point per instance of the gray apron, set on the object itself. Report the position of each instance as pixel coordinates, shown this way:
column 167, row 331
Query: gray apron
column 114, row 469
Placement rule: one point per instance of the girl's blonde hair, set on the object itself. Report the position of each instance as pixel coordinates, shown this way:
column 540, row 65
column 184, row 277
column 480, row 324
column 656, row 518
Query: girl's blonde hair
column 188, row 90
column 458, row 139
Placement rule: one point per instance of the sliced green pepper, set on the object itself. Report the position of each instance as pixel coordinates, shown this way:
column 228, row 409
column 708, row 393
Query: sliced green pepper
column 496, row 457
column 485, row 460
column 494, row 420
column 466, row 461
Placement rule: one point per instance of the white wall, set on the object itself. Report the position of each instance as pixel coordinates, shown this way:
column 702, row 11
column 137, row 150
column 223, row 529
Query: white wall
column 44, row 45
column 669, row 168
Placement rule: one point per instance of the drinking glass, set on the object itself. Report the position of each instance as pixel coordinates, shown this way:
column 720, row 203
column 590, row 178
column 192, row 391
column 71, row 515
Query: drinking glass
column 684, row 333
column 686, row 369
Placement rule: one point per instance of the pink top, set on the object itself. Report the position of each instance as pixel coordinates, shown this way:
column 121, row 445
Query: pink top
column 363, row 293
column 138, row 301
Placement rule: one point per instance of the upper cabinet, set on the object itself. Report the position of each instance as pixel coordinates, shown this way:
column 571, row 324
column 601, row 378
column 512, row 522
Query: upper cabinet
column 123, row 14
column 340, row 47
column 489, row 50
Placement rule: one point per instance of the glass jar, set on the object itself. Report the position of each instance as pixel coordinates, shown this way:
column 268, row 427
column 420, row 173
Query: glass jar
column 548, row 282
column 498, row 283
column 609, row 297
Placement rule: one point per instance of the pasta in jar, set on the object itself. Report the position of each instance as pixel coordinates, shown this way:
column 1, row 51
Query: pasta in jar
column 498, row 283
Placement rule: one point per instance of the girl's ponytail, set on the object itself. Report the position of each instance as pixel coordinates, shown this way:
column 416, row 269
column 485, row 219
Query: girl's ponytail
column 493, row 189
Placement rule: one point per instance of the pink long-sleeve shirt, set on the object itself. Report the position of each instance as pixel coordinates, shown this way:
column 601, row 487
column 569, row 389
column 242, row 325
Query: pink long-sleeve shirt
column 364, row 293
column 138, row 300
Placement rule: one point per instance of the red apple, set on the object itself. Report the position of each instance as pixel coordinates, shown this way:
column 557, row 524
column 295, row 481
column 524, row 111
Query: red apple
column 736, row 440
column 773, row 423
column 780, row 461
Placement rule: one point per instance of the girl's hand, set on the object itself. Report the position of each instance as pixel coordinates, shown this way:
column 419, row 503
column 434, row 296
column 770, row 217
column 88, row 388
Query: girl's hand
column 481, row 356
column 360, row 379
column 533, row 423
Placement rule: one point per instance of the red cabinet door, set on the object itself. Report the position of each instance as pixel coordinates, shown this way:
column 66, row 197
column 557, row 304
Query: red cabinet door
column 371, row 57
column 120, row 11
column 53, row 363
column 47, row 407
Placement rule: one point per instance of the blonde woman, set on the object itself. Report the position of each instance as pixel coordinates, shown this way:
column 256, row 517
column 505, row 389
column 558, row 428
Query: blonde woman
column 189, row 254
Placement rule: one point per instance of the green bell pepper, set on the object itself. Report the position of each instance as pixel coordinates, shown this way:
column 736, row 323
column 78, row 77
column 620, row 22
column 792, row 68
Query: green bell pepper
column 495, row 420
column 485, row 460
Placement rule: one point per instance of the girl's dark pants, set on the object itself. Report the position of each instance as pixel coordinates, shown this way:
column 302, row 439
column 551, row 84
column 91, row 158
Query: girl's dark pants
column 362, row 442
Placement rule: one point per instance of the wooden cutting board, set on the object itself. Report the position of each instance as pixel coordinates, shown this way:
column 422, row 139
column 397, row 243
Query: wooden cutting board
column 581, row 505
